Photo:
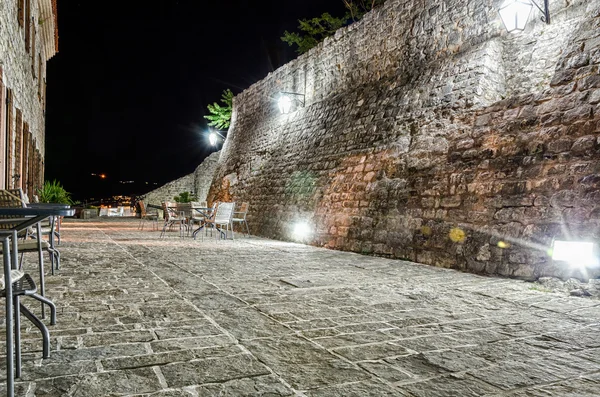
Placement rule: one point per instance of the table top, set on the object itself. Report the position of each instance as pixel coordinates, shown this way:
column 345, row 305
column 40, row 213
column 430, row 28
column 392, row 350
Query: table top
column 37, row 211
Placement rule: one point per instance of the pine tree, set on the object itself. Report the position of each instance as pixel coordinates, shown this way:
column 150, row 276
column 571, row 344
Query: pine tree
column 220, row 115
column 317, row 29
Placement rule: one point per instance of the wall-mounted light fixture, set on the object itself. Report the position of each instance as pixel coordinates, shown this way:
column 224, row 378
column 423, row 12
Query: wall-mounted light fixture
column 578, row 254
column 288, row 101
column 515, row 13
column 213, row 137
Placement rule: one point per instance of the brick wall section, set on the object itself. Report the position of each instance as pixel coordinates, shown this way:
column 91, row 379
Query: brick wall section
column 424, row 121
column 198, row 183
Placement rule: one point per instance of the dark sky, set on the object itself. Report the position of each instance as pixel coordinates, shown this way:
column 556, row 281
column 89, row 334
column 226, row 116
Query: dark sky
column 128, row 90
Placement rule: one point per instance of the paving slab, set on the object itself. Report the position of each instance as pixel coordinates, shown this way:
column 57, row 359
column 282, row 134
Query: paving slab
column 142, row 316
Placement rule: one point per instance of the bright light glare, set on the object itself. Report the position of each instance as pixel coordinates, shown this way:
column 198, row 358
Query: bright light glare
column 212, row 138
column 301, row 230
column 515, row 14
column 285, row 104
column 576, row 253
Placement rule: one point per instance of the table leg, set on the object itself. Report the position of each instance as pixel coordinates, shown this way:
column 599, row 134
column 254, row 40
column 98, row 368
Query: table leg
column 10, row 369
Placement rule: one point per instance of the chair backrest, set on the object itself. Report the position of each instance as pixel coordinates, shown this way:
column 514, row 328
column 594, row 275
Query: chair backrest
column 12, row 198
column 198, row 204
column 142, row 208
column 224, row 212
column 170, row 210
column 244, row 208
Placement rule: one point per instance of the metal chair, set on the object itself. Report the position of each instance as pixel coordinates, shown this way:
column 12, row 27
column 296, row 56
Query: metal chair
column 147, row 216
column 172, row 217
column 223, row 217
column 240, row 216
column 23, row 285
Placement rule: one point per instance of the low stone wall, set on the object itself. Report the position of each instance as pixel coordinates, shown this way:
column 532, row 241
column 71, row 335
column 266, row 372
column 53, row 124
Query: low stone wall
column 431, row 134
column 197, row 183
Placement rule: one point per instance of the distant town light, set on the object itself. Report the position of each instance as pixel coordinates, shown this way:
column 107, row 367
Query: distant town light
column 102, row 176
column 576, row 253
column 515, row 13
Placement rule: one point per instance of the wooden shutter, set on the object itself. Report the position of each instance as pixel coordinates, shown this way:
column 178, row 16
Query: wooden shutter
column 16, row 174
column 3, row 139
column 20, row 13
column 33, row 33
column 24, row 157
column 10, row 139
column 40, row 77
column 27, row 25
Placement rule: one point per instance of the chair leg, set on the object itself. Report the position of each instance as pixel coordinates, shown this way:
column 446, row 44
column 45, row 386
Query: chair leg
column 50, row 304
column 43, row 329
column 232, row 235
column 17, row 336
column 247, row 229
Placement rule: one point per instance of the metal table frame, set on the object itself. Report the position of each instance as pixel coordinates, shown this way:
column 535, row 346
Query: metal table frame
column 29, row 217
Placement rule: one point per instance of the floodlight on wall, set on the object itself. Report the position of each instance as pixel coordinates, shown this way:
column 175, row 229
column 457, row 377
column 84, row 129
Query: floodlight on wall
column 577, row 253
column 287, row 101
column 515, row 13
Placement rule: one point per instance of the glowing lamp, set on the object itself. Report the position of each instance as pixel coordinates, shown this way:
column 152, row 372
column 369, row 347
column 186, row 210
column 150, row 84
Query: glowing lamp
column 289, row 101
column 576, row 253
column 301, row 230
column 515, row 13
column 212, row 138
column 285, row 104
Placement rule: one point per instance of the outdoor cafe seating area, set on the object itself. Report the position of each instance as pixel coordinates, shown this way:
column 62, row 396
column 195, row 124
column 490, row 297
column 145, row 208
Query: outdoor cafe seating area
column 35, row 228
column 196, row 218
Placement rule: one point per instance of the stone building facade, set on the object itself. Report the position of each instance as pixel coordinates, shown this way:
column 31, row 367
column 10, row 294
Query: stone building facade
column 197, row 183
column 28, row 39
column 431, row 134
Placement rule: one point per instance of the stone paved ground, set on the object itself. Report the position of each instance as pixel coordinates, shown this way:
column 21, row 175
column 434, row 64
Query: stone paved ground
column 140, row 316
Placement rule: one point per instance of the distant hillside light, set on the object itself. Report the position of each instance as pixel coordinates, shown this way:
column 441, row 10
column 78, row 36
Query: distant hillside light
column 515, row 13
column 575, row 253
column 286, row 101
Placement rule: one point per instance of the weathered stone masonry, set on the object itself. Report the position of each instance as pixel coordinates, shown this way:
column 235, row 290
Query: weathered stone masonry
column 197, row 183
column 427, row 117
column 28, row 39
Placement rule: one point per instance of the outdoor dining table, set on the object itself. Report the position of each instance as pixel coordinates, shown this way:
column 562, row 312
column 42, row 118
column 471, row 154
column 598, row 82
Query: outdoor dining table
column 205, row 212
column 20, row 219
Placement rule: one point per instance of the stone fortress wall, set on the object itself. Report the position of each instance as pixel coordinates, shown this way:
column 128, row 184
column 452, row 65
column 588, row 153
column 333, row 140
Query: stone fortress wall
column 197, row 183
column 430, row 134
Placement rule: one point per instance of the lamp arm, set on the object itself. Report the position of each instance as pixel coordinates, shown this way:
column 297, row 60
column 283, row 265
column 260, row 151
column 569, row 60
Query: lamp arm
column 218, row 133
column 303, row 100
column 545, row 10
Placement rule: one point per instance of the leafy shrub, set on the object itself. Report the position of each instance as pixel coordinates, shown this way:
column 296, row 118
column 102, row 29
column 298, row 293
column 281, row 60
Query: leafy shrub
column 53, row 192
column 185, row 197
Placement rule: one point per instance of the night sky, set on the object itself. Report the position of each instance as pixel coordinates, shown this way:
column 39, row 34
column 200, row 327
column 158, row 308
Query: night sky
column 128, row 90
